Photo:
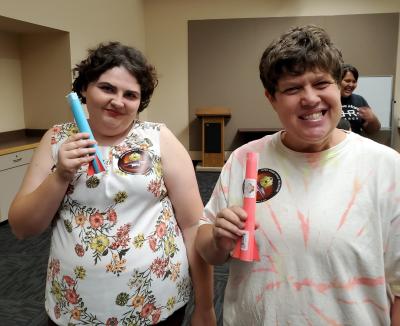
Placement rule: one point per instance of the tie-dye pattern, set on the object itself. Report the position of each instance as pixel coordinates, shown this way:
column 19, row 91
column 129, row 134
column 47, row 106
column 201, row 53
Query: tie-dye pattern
column 329, row 240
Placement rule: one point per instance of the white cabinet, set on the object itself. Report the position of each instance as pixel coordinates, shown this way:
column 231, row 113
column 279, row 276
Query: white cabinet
column 12, row 171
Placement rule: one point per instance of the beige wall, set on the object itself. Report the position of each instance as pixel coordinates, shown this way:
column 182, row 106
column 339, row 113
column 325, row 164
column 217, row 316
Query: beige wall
column 11, row 108
column 46, row 78
column 224, row 55
column 396, row 122
column 167, row 42
column 161, row 32
column 88, row 22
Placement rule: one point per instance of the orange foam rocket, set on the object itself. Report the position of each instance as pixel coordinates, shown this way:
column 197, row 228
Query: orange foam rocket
column 246, row 248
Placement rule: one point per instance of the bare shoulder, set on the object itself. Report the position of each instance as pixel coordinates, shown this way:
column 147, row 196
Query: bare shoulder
column 40, row 166
column 174, row 156
column 166, row 134
column 170, row 145
column 46, row 141
column 180, row 180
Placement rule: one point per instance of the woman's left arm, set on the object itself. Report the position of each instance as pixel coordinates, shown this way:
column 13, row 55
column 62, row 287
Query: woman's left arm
column 183, row 192
column 395, row 312
column 371, row 121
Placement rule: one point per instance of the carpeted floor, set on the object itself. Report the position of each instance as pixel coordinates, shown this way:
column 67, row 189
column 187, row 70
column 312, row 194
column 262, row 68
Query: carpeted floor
column 23, row 272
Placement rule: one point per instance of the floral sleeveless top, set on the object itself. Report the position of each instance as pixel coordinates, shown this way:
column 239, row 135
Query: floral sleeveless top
column 117, row 255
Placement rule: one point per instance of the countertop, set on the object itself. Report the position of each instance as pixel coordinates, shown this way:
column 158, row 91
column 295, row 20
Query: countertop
column 14, row 149
column 19, row 140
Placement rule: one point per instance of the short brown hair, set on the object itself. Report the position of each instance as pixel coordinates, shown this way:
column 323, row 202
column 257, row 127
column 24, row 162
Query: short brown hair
column 300, row 49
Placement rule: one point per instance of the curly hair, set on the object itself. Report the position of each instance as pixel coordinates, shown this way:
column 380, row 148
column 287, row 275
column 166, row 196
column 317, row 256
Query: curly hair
column 114, row 54
column 298, row 50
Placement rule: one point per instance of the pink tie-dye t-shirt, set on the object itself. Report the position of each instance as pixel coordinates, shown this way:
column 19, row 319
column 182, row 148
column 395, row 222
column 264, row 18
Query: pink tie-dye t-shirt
column 329, row 235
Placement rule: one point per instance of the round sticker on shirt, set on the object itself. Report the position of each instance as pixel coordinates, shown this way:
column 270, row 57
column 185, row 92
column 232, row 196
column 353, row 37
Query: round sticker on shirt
column 135, row 162
column 268, row 184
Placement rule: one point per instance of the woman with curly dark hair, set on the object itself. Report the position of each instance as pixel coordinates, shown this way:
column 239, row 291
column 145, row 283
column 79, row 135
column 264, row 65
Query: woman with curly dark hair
column 122, row 239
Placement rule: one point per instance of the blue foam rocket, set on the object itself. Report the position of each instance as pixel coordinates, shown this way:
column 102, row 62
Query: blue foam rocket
column 97, row 165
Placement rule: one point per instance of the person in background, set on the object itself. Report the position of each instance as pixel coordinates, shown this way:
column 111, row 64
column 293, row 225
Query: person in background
column 355, row 108
column 122, row 240
column 328, row 209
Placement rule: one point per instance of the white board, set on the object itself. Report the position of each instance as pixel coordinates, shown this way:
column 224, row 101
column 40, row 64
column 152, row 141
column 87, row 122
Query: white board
column 378, row 92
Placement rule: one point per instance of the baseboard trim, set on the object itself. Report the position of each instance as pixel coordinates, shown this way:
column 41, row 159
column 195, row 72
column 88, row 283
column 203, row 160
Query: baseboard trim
column 196, row 155
column 200, row 168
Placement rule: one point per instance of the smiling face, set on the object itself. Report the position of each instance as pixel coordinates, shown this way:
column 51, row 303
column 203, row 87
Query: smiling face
column 112, row 102
column 348, row 85
column 309, row 109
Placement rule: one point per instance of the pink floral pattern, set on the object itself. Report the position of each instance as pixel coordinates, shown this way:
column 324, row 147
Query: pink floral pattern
column 101, row 234
column 161, row 240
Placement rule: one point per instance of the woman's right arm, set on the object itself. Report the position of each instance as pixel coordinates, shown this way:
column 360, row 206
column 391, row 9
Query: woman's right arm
column 215, row 241
column 42, row 190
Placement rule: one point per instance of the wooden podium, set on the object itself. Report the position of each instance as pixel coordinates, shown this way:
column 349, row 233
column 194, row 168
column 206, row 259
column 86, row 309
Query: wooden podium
column 212, row 135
